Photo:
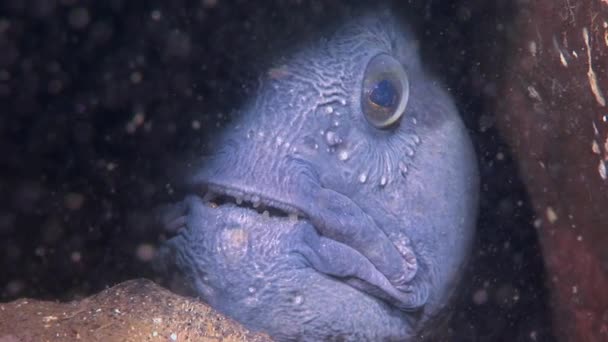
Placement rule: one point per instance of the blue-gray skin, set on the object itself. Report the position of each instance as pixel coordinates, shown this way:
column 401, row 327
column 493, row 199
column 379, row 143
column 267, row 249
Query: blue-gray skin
column 341, row 204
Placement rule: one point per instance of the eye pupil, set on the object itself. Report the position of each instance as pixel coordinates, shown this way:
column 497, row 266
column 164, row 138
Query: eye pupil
column 383, row 94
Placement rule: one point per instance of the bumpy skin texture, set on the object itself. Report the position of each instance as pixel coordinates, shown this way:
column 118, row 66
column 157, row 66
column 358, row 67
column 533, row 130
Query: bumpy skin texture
column 385, row 216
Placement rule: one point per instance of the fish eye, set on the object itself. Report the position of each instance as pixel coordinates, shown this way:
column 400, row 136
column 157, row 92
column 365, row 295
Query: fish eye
column 385, row 91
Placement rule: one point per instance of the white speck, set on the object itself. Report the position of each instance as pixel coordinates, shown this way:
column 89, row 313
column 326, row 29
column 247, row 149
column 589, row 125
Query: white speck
column 532, row 48
column 298, row 300
column 363, row 177
column 533, row 93
column 500, row 156
column 595, row 147
column 293, row 217
column 155, row 333
column 329, row 109
column 279, row 141
column 416, row 139
column 562, row 59
column 196, row 125
column 343, row 102
column 403, row 168
column 414, row 121
column 574, row 289
column 595, row 130
column 538, row 223
column 251, row 290
column 156, row 15
column 480, row 297
column 332, row 138
column 551, row 215
column 383, row 181
column 579, row 238
column 239, row 200
column 136, row 77
column 595, row 88
column 409, row 151
column 574, row 54
column 261, row 134
column 343, row 155
column 173, row 337
column 602, row 169
column 266, row 214
column 157, row 320
column 533, row 335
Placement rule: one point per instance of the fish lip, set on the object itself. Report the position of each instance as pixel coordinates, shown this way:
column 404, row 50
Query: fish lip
column 251, row 196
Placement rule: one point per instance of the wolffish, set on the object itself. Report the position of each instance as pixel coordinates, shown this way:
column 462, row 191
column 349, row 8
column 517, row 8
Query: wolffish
column 342, row 203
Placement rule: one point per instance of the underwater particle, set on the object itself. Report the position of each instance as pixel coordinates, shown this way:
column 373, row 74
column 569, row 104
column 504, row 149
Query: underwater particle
column 485, row 122
column 79, row 18
column 73, row 201
column 533, row 93
column 178, row 44
column 14, row 287
column 196, row 125
column 145, row 252
column 75, row 257
column 55, row 87
column 173, row 337
column 480, row 297
column 595, row 147
column 156, row 15
column 136, row 77
column 562, row 59
column 602, row 170
column 533, row 49
column 551, row 215
column 209, row 3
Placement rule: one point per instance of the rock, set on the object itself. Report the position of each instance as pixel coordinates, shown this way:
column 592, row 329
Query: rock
column 136, row 310
column 553, row 114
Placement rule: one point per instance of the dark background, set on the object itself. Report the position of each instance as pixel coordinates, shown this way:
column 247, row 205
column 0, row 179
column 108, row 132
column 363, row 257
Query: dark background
column 100, row 101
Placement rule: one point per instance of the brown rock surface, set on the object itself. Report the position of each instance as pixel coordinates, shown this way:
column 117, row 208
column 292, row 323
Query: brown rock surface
column 553, row 113
column 136, row 310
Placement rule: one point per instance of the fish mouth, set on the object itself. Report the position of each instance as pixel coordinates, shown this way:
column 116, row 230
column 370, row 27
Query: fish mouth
column 215, row 195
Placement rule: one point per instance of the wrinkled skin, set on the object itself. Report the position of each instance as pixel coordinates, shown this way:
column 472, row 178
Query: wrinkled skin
column 367, row 229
